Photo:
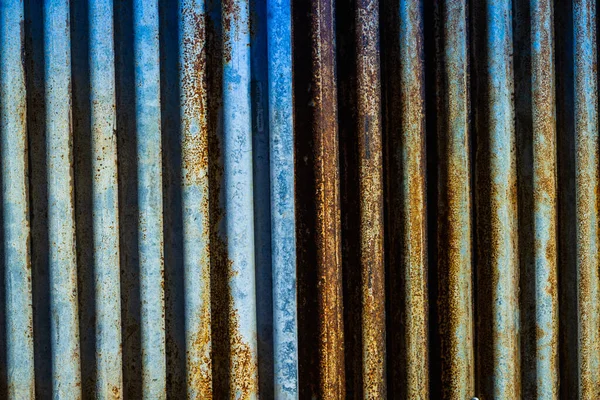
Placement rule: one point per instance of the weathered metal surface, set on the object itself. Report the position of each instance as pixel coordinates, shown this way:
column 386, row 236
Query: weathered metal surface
column 281, row 156
column 98, row 243
column 586, row 202
column 149, row 194
column 330, row 344
column 62, row 263
column 397, row 201
column 454, row 244
column 406, row 204
column 498, row 363
column 194, row 197
column 237, row 231
column 18, row 334
column 537, row 169
column 370, row 165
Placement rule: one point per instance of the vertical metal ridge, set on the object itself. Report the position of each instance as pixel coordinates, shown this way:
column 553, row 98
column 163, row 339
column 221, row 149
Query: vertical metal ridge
column 238, row 230
column 496, row 202
column 105, row 200
column 586, row 148
column 66, row 374
column 545, row 198
column 326, row 163
column 195, row 198
column 454, row 246
column 406, row 252
column 370, row 166
column 409, row 149
column 537, row 186
column 283, row 225
column 15, row 206
column 149, row 192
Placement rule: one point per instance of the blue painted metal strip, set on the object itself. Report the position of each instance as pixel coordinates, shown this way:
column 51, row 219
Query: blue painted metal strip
column 239, row 218
column 283, row 226
column 149, row 172
column 15, row 218
column 545, row 217
column 586, row 150
column 105, row 199
column 503, row 251
column 61, row 222
column 195, row 198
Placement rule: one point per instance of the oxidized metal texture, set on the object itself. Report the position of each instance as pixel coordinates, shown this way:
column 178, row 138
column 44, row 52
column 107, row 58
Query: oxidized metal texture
column 237, row 231
column 18, row 334
column 370, row 160
column 454, row 244
column 498, row 363
column 421, row 176
column 327, row 205
column 586, row 201
column 195, row 197
column 406, row 202
column 537, row 170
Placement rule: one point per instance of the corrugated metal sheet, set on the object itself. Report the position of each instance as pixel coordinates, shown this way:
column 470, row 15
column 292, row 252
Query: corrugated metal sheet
column 299, row 199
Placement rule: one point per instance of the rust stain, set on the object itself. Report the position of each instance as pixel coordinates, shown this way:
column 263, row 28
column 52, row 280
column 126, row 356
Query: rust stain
column 454, row 207
column 371, row 200
column 195, row 144
column 200, row 372
column 327, row 235
column 234, row 366
column 116, row 393
column 195, row 152
column 231, row 19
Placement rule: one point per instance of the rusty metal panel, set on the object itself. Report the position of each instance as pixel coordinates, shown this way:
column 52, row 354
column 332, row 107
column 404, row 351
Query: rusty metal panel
column 299, row 199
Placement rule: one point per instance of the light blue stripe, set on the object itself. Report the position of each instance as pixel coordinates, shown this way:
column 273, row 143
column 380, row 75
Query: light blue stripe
column 542, row 48
column 61, row 222
column 503, row 178
column 149, row 170
column 239, row 208
column 105, row 199
column 283, row 228
column 19, row 316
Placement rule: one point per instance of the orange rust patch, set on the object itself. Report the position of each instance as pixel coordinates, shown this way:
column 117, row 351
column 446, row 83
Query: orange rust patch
column 194, row 82
column 231, row 18
column 200, row 372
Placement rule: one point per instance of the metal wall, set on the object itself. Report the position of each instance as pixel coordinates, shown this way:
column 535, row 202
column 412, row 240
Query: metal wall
column 299, row 199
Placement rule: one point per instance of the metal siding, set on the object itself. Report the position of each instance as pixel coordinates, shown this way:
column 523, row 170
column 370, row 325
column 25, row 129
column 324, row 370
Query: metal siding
column 299, row 199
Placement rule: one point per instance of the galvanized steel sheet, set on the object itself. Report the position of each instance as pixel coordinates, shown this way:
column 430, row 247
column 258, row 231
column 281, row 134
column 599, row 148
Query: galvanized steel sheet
column 299, row 199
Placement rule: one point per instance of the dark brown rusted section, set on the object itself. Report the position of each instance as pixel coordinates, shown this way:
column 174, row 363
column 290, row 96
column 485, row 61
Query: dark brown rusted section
column 455, row 301
column 370, row 160
column 327, row 197
column 404, row 130
column 361, row 155
column 321, row 372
